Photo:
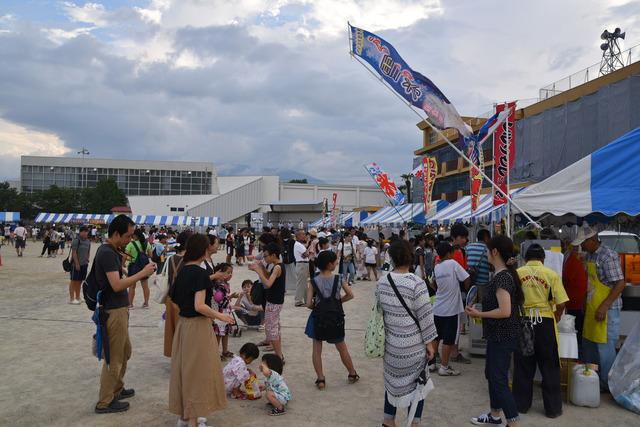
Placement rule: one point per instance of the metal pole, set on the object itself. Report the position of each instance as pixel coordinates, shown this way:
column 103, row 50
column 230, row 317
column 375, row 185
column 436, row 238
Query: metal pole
column 451, row 144
column 509, row 174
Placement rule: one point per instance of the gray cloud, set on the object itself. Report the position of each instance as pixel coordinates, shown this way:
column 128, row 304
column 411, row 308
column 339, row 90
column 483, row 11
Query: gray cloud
column 291, row 104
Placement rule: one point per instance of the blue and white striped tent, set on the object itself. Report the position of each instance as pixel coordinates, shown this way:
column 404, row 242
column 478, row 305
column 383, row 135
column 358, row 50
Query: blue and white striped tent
column 413, row 212
column 348, row 219
column 460, row 211
column 206, row 221
column 162, row 220
column 65, row 218
column 9, row 216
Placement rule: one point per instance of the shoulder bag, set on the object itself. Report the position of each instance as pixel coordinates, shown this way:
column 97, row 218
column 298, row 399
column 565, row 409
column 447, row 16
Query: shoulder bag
column 66, row 263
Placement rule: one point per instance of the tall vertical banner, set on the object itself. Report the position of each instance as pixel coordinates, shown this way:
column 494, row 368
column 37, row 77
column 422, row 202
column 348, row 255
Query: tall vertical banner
column 476, row 154
column 334, row 211
column 430, row 171
column 504, row 153
column 385, row 183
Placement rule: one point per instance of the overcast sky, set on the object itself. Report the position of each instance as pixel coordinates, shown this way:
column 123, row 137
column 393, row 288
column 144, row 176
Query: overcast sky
column 270, row 82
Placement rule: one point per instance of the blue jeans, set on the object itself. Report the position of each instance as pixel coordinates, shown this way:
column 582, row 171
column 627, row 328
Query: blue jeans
column 349, row 271
column 604, row 354
column 496, row 370
column 390, row 410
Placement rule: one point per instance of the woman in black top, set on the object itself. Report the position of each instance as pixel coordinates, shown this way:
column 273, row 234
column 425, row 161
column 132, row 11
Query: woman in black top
column 171, row 310
column 500, row 304
column 196, row 387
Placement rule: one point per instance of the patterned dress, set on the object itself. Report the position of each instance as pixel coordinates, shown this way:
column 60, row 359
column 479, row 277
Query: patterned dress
column 235, row 373
column 405, row 348
column 276, row 384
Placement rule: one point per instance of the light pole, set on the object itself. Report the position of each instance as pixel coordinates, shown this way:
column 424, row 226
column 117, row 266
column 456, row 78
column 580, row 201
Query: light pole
column 84, row 152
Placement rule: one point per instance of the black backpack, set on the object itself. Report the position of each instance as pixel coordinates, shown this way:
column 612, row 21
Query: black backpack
column 257, row 293
column 287, row 252
column 328, row 314
column 141, row 260
column 90, row 287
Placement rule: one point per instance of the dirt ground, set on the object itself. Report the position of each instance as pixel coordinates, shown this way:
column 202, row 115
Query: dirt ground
column 50, row 378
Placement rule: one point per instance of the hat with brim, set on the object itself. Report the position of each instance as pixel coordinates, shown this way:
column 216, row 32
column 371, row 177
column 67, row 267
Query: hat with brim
column 313, row 232
column 584, row 233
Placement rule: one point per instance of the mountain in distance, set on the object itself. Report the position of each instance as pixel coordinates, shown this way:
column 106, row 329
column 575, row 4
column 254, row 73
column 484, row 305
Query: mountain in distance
column 285, row 175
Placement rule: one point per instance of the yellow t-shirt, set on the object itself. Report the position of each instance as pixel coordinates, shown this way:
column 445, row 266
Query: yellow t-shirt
column 537, row 281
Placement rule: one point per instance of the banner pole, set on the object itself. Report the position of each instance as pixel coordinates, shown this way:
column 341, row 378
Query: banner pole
column 441, row 134
column 385, row 194
column 508, row 176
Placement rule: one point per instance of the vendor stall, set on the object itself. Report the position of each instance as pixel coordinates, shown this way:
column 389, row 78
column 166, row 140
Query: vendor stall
column 9, row 217
column 347, row 219
column 412, row 212
column 206, row 221
column 162, row 220
column 460, row 211
column 75, row 218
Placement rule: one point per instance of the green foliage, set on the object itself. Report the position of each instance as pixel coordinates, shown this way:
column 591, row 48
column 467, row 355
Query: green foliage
column 298, row 181
column 98, row 200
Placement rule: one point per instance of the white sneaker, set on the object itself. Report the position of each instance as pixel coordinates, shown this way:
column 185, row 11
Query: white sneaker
column 182, row 423
column 447, row 372
column 202, row 422
column 76, row 302
column 433, row 368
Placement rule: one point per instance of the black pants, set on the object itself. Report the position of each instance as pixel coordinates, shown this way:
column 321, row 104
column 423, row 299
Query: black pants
column 546, row 358
column 45, row 247
column 579, row 314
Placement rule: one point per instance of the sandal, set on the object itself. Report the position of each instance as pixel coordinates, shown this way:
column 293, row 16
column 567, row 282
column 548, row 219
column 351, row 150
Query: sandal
column 227, row 354
column 353, row 378
column 321, row 384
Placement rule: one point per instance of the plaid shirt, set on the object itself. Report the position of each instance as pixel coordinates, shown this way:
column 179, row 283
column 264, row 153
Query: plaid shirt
column 609, row 269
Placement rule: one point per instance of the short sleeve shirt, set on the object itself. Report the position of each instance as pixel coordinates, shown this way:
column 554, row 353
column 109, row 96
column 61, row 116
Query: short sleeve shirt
column 370, row 255
column 190, row 280
column 500, row 330
column 609, row 269
column 477, row 259
column 448, row 275
column 542, row 287
column 20, row 232
column 108, row 260
column 82, row 247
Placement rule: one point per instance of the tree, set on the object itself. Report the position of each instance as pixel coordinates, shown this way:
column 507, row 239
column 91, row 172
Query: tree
column 298, row 181
column 9, row 198
column 103, row 197
column 57, row 199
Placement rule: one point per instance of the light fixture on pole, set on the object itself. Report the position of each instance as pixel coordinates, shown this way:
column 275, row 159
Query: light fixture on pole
column 611, row 55
column 84, row 152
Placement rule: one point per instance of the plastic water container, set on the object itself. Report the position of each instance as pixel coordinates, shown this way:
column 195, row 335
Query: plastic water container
column 585, row 387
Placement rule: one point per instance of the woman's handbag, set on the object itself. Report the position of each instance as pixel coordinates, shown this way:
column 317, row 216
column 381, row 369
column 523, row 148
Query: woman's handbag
column 160, row 283
column 66, row 263
column 374, row 335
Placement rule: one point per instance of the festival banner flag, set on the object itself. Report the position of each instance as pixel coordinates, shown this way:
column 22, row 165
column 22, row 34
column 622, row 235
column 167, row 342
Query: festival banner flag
column 418, row 172
column 475, row 154
column 504, row 152
column 334, row 211
column 386, row 184
column 430, row 171
column 417, row 89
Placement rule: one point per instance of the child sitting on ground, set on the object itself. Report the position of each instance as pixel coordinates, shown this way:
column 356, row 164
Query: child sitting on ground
column 246, row 310
column 236, row 372
column 278, row 393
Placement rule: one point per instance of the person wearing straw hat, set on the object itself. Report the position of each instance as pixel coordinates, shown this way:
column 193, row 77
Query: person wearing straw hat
column 602, row 315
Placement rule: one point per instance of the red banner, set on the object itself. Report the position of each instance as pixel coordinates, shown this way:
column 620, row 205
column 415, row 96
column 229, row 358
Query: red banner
column 504, row 152
column 476, row 177
column 429, row 173
column 334, row 211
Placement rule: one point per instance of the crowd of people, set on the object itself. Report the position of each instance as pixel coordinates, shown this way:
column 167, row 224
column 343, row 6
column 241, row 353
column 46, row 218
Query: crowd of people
column 422, row 283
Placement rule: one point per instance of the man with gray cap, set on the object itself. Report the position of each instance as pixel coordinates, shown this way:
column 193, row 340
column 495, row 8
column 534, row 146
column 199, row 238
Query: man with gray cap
column 602, row 315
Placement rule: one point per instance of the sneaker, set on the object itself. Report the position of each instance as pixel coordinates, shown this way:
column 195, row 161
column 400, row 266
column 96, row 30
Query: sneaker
column 276, row 412
column 76, row 302
column 447, row 372
column 486, row 419
column 300, row 304
column 72, row 301
column 114, row 406
column 461, row 359
column 126, row 393
column 261, row 328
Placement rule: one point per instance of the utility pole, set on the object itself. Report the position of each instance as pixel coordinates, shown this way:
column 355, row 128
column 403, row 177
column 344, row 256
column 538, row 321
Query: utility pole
column 83, row 152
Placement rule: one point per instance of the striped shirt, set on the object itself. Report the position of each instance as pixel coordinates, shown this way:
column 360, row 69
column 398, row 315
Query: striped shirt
column 477, row 259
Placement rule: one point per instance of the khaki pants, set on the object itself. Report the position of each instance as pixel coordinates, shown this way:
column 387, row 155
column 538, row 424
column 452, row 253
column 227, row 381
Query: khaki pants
column 302, row 277
column 111, row 380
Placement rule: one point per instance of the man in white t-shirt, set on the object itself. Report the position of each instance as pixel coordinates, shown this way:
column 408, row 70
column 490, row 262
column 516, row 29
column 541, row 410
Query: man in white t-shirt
column 21, row 238
column 448, row 274
column 347, row 255
column 302, row 267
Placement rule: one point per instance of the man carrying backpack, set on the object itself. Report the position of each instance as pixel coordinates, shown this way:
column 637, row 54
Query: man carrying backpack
column 107, row 275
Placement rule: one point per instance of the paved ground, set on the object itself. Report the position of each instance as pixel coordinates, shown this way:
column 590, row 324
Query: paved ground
column 50, row 378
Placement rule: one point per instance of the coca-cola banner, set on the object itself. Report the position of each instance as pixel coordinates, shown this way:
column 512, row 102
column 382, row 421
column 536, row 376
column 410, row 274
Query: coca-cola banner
column 504, row 152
